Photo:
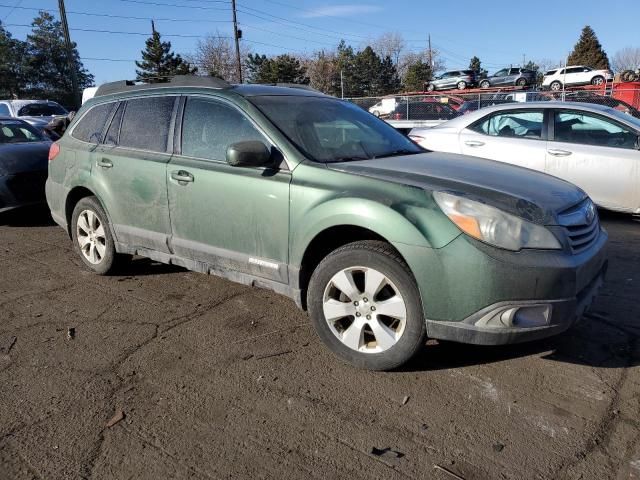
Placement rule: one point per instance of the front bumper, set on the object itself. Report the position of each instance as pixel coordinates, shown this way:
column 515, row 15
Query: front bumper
column 22, row 189
column 540, row 293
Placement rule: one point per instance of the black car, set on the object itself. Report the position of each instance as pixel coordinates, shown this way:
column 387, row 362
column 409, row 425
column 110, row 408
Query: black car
column 423, row 110
column 23, row 164
column 473, row 105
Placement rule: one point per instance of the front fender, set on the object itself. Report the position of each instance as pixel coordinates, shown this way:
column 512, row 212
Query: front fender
column 398, row 223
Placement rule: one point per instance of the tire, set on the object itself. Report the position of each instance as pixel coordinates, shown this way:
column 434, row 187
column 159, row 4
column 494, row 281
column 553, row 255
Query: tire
column 599, row 80
column 461, row 85
column 485, row 84
column 556, row 86
column 430, row 87
column 521, row 82
column 90, row 227
column 377, row 341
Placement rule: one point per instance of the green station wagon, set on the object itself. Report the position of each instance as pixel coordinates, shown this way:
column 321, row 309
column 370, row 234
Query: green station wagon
column 384, row 243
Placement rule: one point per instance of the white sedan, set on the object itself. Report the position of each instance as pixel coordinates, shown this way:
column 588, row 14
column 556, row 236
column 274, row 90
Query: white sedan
column 592, row 146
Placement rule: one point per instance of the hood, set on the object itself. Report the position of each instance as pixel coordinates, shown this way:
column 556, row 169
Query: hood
column 528, row 194
column 40, row 122
column 23, row 157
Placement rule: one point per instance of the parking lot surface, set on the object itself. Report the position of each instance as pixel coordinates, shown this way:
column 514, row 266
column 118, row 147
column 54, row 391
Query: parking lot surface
column 163, row 373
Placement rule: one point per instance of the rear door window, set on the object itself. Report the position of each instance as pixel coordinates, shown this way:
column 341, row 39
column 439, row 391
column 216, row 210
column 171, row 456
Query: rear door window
column 4, row 110
column 90, row 127
column 209, row 127
column 524, row 124
column 146, row 122
column 111, row 138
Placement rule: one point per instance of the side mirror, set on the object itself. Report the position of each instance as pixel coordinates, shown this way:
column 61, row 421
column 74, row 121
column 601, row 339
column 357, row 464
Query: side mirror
column 248, row 154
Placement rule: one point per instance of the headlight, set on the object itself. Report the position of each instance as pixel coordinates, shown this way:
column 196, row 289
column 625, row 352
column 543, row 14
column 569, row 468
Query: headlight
column 494, row 226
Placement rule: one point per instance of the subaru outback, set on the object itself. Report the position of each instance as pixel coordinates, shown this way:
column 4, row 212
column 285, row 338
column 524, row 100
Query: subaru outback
column 384, row 243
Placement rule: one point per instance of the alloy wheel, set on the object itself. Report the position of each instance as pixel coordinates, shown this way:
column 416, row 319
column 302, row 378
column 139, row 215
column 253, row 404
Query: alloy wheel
column 364, row 309
column 91, row 237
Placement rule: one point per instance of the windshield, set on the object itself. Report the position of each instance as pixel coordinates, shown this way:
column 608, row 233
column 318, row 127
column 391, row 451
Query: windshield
column 331, row 130
column 625, row 117
column 41, row 110
column 18, row 132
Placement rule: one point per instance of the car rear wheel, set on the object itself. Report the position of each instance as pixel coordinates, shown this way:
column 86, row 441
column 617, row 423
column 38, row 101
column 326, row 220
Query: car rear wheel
column 462, row 85
column 365, row 306
column 555, row 86
column 430, row 87
column 485, row 84
column 92, row 237
column 521, row 82
column 599, row 80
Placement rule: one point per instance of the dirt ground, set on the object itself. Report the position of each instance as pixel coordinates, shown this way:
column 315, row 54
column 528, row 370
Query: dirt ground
column 162, row 373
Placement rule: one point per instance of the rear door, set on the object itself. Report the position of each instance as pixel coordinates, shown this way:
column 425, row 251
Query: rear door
column 229, row 218
column 517, row 137
column 129, row 171
column 599, row 155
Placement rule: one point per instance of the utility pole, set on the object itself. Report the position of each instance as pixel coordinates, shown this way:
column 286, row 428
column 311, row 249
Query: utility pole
column 72, row 64
column 237, row 39
column 523, row 60
column 430, row 54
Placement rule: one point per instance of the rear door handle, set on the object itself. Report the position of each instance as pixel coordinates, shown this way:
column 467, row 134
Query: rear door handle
column 181, row 176
column 105, row 163
column 559, row 153
column 473, row 143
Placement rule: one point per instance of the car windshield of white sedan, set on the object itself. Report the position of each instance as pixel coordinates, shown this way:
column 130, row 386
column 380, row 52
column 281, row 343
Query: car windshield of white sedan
column 331, row 130
column 18, row 132
column 512, row 124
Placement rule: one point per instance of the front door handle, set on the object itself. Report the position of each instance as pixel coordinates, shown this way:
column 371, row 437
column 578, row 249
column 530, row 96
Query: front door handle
column 559, row 153
column 473, row 143
column 181, row 176
column 105, row 163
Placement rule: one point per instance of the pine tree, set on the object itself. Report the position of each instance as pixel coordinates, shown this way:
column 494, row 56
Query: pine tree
column 159, row 62
column 46, row 65
column 389, row 81
column 281, row 69
column 418, row 74
column 588, row 51
column 12, row 53
column 475, row 64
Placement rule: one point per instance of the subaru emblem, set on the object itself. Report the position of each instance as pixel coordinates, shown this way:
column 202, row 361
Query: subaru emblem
column 590, row 212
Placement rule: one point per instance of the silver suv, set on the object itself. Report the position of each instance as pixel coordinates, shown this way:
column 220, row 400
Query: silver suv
column 35, row 112
column 459, row 79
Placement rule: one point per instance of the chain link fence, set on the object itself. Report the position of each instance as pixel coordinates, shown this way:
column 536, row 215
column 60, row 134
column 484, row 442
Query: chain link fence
column 431, row 109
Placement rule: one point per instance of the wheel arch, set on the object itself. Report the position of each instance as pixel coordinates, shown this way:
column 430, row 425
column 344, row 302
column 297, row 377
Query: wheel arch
column 76, row 194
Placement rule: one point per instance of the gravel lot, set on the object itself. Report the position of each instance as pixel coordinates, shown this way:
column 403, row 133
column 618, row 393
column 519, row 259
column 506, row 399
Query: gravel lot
column 163, row 373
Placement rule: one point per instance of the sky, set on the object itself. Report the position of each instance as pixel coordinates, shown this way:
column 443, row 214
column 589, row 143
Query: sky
column 500, row 33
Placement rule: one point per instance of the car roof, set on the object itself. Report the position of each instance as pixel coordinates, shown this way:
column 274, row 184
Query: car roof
column 471, row 117
column 23, row 102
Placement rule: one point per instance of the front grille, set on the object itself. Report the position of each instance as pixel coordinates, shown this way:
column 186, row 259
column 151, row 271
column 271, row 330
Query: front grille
column 581, row 224
column 582, row 236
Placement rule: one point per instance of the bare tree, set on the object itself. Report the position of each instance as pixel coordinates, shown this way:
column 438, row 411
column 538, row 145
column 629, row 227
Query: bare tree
column 216, row 56
column 411, row 58
column 626, row 59
column 322, row 70
column 390, row 44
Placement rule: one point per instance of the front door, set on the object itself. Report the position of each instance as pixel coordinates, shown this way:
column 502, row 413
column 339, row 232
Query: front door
column 228, row 218
column 597, row 154
column 514, row 137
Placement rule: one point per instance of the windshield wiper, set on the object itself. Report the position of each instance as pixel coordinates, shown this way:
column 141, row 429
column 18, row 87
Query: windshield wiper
column 348, row 159
column 396, row 153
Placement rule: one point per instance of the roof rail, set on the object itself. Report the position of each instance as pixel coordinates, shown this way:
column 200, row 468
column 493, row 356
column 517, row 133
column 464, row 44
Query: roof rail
column 175, row 81
column 293, row 85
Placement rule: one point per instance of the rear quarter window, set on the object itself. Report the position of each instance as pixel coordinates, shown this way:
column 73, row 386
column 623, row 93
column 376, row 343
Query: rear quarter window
column 4, row 110
column 90, row 127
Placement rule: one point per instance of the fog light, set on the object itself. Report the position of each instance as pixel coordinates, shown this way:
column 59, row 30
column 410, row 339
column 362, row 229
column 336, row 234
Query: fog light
column 525, row 316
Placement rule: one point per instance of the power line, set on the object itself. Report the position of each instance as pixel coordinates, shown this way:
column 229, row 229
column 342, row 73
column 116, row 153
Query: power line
column 158, row 4
column 126, row 17
column 17, row 5
column 286, row 35
column 115, row 32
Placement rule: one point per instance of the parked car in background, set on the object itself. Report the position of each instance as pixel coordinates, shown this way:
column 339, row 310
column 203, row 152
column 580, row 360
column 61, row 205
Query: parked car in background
column 574, row 76
column 315, row 198
column 384, row 107
column 473, row 105
column 35, row 112
column 593, row 146
column 588, row 97
column 422, row 110
column 23, row 164
column 508, row 77
column 453, row 101
column 459, row 79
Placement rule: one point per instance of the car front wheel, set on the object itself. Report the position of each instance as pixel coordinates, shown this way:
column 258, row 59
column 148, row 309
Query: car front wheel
column 597, row 80
column 92, row 237
column 521, row 82
column 462, row 85
column 365, row 306
column 555, row 86
column 430, row 87
column 485, row 84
